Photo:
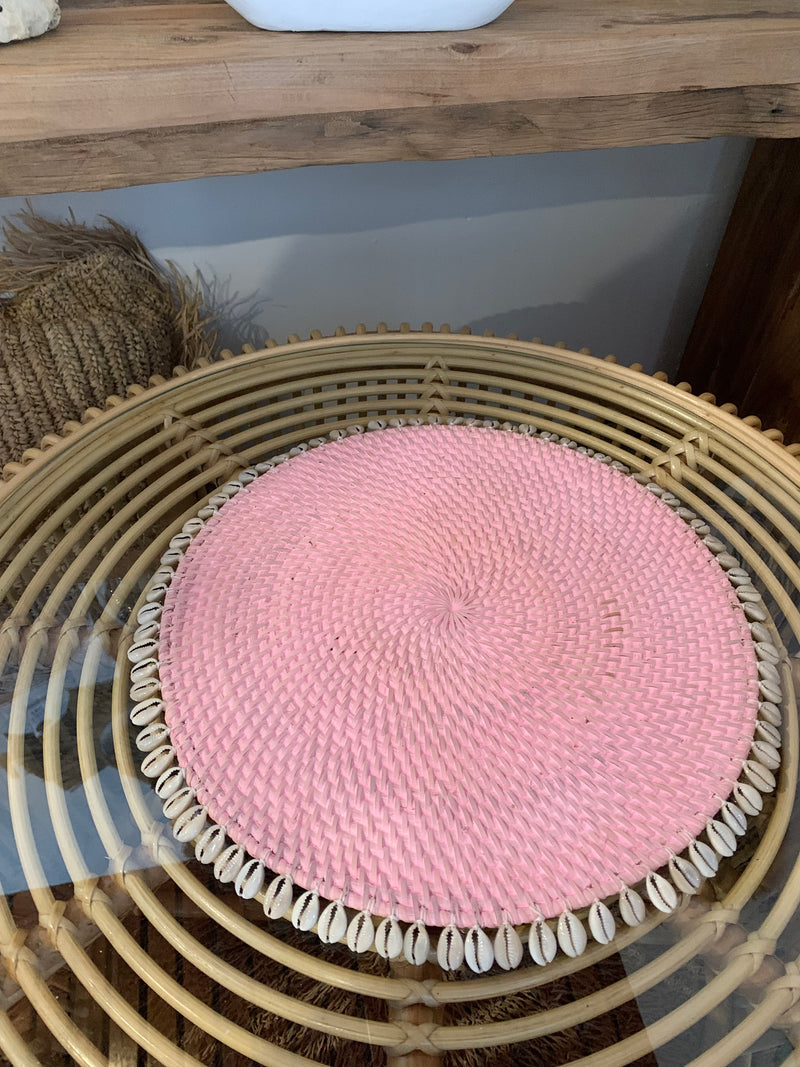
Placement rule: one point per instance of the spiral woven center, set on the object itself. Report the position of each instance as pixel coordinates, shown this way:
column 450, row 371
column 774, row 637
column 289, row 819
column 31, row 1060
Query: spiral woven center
column 456, row 674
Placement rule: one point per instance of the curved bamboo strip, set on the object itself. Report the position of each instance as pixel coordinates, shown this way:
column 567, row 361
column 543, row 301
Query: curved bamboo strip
column 151, row 460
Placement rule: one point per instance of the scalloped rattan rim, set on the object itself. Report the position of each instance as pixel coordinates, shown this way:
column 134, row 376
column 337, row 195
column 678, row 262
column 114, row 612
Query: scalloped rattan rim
column 35, row 457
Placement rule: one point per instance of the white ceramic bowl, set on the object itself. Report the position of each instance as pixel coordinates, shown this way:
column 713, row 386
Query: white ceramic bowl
column 369, row 15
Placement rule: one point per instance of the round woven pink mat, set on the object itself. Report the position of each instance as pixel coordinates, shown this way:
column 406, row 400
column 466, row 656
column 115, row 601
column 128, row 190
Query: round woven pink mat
column 456, row 674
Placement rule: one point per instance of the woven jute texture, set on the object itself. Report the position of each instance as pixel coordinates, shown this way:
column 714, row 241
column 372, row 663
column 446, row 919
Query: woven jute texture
column 88, row 314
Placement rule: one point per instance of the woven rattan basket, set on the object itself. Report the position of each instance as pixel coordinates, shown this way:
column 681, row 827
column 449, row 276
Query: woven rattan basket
column 199, row 975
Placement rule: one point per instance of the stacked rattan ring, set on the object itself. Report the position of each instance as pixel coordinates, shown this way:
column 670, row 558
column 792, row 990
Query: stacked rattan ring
column 459, row 676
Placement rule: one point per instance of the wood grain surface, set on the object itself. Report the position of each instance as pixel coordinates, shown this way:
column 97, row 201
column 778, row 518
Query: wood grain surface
column 745, row 344
column 123, row 94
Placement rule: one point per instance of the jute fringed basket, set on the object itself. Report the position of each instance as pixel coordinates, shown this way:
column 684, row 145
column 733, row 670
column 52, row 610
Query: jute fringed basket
column 198, row 974
column 86, row 312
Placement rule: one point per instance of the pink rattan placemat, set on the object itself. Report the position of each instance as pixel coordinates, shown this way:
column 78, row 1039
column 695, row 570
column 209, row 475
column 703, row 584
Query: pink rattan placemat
column 456, row 676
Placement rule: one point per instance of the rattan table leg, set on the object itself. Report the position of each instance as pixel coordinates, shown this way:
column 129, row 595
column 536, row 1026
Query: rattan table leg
column 416, row 1015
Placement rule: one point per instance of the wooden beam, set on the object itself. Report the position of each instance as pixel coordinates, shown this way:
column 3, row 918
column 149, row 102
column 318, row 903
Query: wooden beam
column 138, row 157
column 745, row 344
column 142, row 91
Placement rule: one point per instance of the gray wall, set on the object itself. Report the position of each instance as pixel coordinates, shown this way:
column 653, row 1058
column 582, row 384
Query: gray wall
column 609, row 249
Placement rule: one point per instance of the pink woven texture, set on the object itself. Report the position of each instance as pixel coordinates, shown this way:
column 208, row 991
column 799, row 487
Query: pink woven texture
column 456, row 674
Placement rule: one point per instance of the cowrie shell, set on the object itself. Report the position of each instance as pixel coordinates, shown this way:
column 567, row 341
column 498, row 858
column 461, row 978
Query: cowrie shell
column 228, row 863
column 571, row 934
column 144, row 669
column 685, row 875
column 770, row 712
column 210, row 844
column 360, row 932
column 181, row 541
column 231, row 488
column 704, row 858
column 631, row 907
column 218, row 500
column 508, row 950
column 721, row 838
column 306, row 911
column 748, row 798
column 769, row 691
column 754, row 612
column 332, row 924
column 250, row 879
column 148, row 739
column 542, row 943
column 662, row 895
column 148, row 613
column 416, row 944
column 760, row 632
column 761, row 777
column 142, row 650
column 767, row 652
column 249, row 474
column 748, row 594
column 142, row 690
column 156, row 593
column 188, row 825
column 163, row 575
column 207, row 512
column 450, row 950
column 734, row 817
column 766, row 754
column 147, row 711
column 177, row 804
column 765, row 731
column 768, row 672
column 737, row 578
column 713, row 544
column 278, row 897
column 389, row 939
column 601, row 923
column 478, row 951
column 727, row 561
column 170, row 558
column 146, row 630
column 193, row 526
column 157, row 761
column 169, row 782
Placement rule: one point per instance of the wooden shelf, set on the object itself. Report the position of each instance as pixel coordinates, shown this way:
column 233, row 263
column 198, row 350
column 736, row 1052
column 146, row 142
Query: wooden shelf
column 125, row 93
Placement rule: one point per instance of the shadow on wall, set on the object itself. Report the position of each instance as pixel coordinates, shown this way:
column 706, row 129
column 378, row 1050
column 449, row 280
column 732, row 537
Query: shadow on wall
column 624, row 310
